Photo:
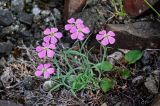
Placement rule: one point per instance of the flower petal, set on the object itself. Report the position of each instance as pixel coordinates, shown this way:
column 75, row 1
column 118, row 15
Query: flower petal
column 103, row 32
column 85, row 30
column 47, row 65
column 51, row 70
column 53, row 40
column 71, row 20
column 54, row 30
column 58, row 35
column 52, row 46
column 99, row 37
column 39, row 48
column 45, row 44
column 50, row 53
column 68, row 27
column 47, row 39
column 81, row 38
column 79, row 21
column 40, row 67
column 74, row 36
column 46, row 75
column 42, row 54
column 73, row 29
column 111, row 40
column 111, row 33
column 104, row 41
column 38, row 73
column 47, row 31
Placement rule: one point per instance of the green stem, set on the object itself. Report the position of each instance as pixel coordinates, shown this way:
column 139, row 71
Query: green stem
column 104, row 54
column 152, row 7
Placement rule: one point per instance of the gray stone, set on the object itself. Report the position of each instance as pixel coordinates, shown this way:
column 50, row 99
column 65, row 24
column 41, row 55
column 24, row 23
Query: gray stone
column 6, row 18
column 116, row 56
column 26, row 18
column 92, row 2
column 26, row 34
column 36, row 10
column 17, row 5
column 146, row 58
column 6, row 47
column 57, row 14
column 48, row 85
column 150, row 84
column 138, row 80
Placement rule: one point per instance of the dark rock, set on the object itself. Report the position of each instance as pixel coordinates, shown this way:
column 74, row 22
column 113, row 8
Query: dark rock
column 72, row 6
column 17, row 5
column 25, row 34
column 146, row 58
column 6, row 47
column 147, row 69
column 150, row 84
column 99, row 19
column 136, row 35
column 28, row 83
column 158, row 63
column 156, row 100
column 138, row 80
column 26, row 18
column 9, row 103
column 6, row 18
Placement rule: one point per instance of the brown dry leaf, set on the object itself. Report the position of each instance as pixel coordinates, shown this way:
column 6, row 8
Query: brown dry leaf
column 72, row 6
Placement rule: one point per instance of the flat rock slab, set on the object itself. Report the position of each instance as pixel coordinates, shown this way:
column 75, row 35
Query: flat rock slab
column 138, row 7
column 8, row 103
column 140, row 35
column 26, row 18
column 6, row 18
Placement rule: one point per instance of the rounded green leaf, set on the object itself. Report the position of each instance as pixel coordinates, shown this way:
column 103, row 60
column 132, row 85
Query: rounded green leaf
column 104, row 66
column 107, row 84
column 125, row 73
column 133, row 56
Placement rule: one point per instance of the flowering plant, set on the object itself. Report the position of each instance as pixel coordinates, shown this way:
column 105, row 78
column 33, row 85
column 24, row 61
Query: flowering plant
column 71, row 68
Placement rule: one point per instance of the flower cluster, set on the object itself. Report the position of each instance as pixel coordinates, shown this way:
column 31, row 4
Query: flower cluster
column 78, row 32
column 77, row 29
column 47, row 50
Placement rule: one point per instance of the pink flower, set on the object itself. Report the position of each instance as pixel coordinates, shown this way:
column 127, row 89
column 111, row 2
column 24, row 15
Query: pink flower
column 44, row 69
column 53, row 35
column 45, row 50
column 80, row 32
column 72, row 24
column 106, row 38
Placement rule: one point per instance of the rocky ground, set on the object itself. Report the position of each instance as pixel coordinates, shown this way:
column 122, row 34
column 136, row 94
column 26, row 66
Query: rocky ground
column 21, row 26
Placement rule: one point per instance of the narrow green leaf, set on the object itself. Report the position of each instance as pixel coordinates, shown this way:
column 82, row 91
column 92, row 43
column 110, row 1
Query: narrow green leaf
column 73, row 52
column 104, row 66
column 107, row 84
column 133, row 56
column 125, row 73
